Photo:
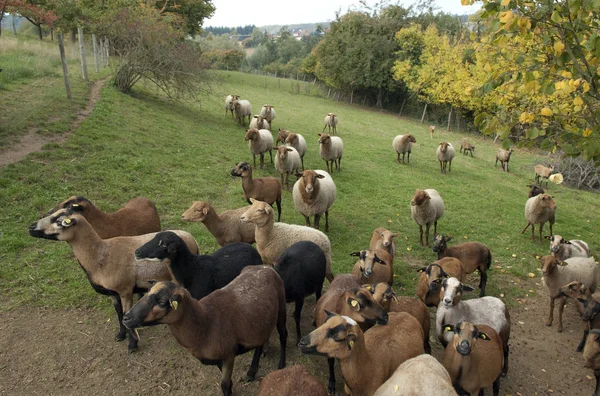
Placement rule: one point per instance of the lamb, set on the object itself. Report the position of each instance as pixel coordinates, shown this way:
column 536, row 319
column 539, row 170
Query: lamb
column 302, row 269
column 297, row 141
column 390, row 302
column 259, row 122
column 292, row 381
column 108, row 263
column 539, row 210
column 273, row 238
column 473, row 256
column 591, row 355
column 331, row 149
column 489, row 311
column 367, row 270
column 331, row 121
column 267, row 189
column 503, row 156
column 421, row 375
column 542, row 172
column 466, row 146
column 382, row 238
column 562, row 249
column 228, row 322
column 199, row 274
column 431, row 130
column 226, row 227
column 268, row 112
column 426, row 207
column 229, row 99
column 367, row 359
column 259, row 141
column 474, row 358
column 402, row 144
column 241, row 110
column 287, row 160
column 139, row 216
column 432, row 276
column 534, row 190
column 557, row 273
column 313, row 195
column 445, row 154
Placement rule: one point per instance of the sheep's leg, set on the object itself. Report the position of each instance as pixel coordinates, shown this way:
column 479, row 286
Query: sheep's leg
column 262, row 160
column 331, row 385
column 427, row 234
column 327, row 220
column 586, row 331
column 495, row 166
column 302, row 159
column 420, row 234
column 408, row 160
column 398, row 159
column 551, row 312
column 506, row 349
column 297, row 314
column 449, row 165
column 324, row 128
column 541, row 228
column 597, row 374
column 441, row 167
column 561, row 307
column 251, row 375
column 340, row 163
column 307, row 220
column 282, row 179
column 533, row 232
column 119, row 308
column 495, row 387
column 282, row 330
column 278, row 202
column 551, row 228
column 526, row 227
column 271, row 155
column 254, row 158
column 434, row 228
column 482, row 282
column 226, row 372
column 317, row 219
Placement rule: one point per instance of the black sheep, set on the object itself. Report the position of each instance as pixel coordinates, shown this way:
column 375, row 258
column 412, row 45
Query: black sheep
column 199, row 274
column 302, row 268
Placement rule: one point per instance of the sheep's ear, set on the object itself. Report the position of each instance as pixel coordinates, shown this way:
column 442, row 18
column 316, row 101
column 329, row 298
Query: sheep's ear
column 76, row 207
column 566, row 242
column 350, row 339
column 289, row 149
column 353, row 303
column 438, row 281
column 378, row 260
column 483, row 336
column 548, row 237
column 205, row 210
column 318, row 134
column 172, row 248
column 320, row 176
column 328, row 314
column 268, row 209
column 357, row 254
column 252, row 200
column 422, row 269
column 299, row 174
column 444, row 274
column 152, row 282
column 468, row 288
column 448, row 238
column 448, row 327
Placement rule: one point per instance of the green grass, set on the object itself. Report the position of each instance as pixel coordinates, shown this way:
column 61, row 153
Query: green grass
column 144, row 145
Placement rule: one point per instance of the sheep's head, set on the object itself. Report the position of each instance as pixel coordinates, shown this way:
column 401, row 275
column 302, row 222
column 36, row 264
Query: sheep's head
column 411, row 138
column 164, row 303
column 197, row 212
column 452, row 290
column 575, row 290
column 335, row 338
column 324, row 138
column 58, row 226
column 435, row 275
column 549, row 263
column 591, row 351
column 282, row 135
column 386, row 236
column 534, row 190
column 440, row 242
column 367, row 260
column 77, row 203
column 556, row 242
column 292, row 138
column 164, row 245
column 242, row 169
column 591, row 307
column 310, row 180
column 282, row 152
column 382, row 293
column 444, row 146
column 419, row 198
column 236, row 104
column 466, row 335
column 251, row 134
column 259, row 213
column 267, row 108
column 546, row 201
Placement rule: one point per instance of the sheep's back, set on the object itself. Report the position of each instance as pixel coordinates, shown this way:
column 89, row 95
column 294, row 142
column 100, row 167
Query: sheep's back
column 263, row 144
column 580, row 269
column 401, row 146
column 535, row 215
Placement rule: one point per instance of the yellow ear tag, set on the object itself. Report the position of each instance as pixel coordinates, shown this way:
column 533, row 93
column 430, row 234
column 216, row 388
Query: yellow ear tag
column 75, row 205
column 351, row 343
column 174, row 304
column 448, row 328
column 66, row 221
column 483, row 336
column 354, row 303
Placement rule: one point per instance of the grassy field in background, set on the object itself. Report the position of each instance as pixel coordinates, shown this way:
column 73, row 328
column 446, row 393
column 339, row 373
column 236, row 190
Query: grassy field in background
column 144, row 145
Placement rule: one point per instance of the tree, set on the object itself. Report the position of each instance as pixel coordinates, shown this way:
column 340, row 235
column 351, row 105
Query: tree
column 37, row 12
column 191, row 13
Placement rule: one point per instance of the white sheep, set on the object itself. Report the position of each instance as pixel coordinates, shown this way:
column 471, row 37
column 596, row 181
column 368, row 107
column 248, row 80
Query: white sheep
column 272, row 239
column 445, row 154
column 242, row 109
column 268, row 112
column 313, row 194
column 503, row 156
column 331, row 150
column 403, row 144
column 287, row 160
column 563, row 249
column 229, row 103
column 297, row 141
column 427, row 207
column 259, row 122
column 539, row 210
column 331, row 121
column 542, row 172
column 260, row 141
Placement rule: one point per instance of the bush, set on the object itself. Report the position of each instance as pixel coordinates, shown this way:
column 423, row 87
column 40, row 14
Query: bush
column 579, row 173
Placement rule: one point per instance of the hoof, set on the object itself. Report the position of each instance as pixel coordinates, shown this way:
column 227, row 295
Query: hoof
column 131, row 351
column 120, row 337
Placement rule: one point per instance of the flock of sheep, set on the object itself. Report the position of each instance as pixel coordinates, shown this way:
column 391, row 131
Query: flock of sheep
column 221, row 305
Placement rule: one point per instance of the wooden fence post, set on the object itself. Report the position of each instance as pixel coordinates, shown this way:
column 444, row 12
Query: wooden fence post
column 63, row 59
column 402, row 107
column 95, row 47
column 449, row 118
column 107, row 49
column 82, row 54
column 424, row 111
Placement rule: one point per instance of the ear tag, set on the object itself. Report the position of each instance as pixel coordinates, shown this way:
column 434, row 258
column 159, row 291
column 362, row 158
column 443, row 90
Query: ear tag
column 354, row 304
column 351, row 344
column 75, row 205
column 483, row 336
column 66, row 222
column 174, row 305
column 448, row 328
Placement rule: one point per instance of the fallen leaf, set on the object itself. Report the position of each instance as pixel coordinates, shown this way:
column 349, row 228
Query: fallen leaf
column 514, row 255
column 530, row 291
column 543, row 371
column 466, row 237
column 522, row 323
column 502, row 295
column 389, row 221
column 531, row 275
column 409, row 248
column 589, row 377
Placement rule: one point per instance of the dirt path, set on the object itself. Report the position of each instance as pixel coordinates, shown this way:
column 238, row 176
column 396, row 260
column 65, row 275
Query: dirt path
column 32, row 141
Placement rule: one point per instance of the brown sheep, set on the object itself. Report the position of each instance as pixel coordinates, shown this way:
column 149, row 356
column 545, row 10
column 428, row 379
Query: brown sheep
column 466, row 146
column 382, row 238
column 373, row 266
column 428, row 286
column 266, row 189
column 542, row 172
column 503, row 156
column 578, row 291
column 291, row 381
column 282, row 134
column 591, row 355
column 534, row 190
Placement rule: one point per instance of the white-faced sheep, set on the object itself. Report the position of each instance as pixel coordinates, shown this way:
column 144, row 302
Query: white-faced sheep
column 591, row 355
column 229, row 99
column 259, row 122
column 539, row 210
column 402, row 144
column 542, row 172
column 259, row 141
column 489, row 311
column 268, row 112
column 563, row 249
column 241, row 110
column 313, row 195
column 431, row 130
column 373, row 266
column 466, row 146
column 445, row 154
column 331, row 121
column 272, row 239
column 292, row 381
column 432, row 276
column 267, row 189
column 331, row 149
column 297, row 141
column 382, row 238
column 418, row 376
column 426, row 207
column 287, row 161
column 503, row 156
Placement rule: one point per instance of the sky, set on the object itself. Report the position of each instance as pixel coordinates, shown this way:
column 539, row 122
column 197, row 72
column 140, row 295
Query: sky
column 233, row 13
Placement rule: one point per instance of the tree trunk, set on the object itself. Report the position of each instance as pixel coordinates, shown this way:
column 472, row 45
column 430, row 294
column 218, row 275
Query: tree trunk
column 40, row 31
column 51, row 34
column 84, row 72
column 14, row 25
column 63, row 59
column 107, row 49
column 351, row 97
column 424, row 111
column 2, row 16
column 449, row 118
column 73, row 35
column 380, row 98
column 95, row 49
column 402, row 107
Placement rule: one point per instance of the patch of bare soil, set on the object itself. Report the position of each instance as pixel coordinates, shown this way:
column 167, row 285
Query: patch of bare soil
column 67, row 352
column 32, row 141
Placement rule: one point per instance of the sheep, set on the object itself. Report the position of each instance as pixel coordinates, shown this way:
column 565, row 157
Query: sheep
column 228, row 322
column 426, row 207
column 109, row 264
column 367, row 359
column 591, row 355
column 199, row 274
column 297, row 141
column 382, row 238
column 402, row 144
column 291, row 381
column 390, row 302
column 432, row 276
column 241, row 110
column 229, row 99
column 587, row 306
column 539, row 210
column 258, row 122
column 431, row 130
column 445, row 154
column 473, row 256
column 273, row 238
column 313, row 195
column 331, row 121
column 367, row 270
column 331, row 149
column 474, row 359
column 542, row 172
column 534, row 190
column 557, row 273
column 562, row 249
column 268, row 112
column 225, row 227
column 282, row 134
column 503, row 156
column 287, row 160
column 259, row 141
column 266, row 189
column 466, row 146
column 138, row 217
column 302, row 269
column 421, row 375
